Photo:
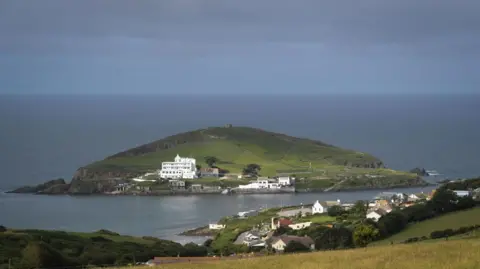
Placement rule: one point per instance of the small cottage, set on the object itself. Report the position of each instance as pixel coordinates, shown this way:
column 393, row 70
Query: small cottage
column 376, row 214
column 319, row 207
column 279, row 243
column 209, row 172
column 284, row 181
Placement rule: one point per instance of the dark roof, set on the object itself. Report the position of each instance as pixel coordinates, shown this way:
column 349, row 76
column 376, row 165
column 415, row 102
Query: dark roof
column 305, row 240
column 381, row 211
column 323, row 204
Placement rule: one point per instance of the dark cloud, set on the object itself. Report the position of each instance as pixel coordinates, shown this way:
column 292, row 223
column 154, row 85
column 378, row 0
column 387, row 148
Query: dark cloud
column 366, row 21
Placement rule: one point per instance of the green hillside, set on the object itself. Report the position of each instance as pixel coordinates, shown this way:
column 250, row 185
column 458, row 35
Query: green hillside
column 452, row 220
column 25, row 249
column 236, row 147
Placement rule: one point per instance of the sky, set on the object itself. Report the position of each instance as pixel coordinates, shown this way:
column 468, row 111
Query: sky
column 239, row 46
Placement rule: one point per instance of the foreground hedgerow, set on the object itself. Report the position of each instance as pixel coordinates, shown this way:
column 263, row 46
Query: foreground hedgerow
column 441, row 255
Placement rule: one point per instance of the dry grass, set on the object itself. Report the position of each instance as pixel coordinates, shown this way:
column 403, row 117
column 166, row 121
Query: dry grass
column 441, row 255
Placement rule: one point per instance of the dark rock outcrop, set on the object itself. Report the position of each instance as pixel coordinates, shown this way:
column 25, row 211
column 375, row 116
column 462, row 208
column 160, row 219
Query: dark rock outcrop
column 50, row 186
column 373, row 165
column 80, row 186
column 55, row 189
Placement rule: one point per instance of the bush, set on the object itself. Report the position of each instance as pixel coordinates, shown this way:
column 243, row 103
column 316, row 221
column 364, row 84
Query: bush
column 194, row 250
column 392, row 223
column 364, row 234
column 412, row 240
column 334, row 238
column 294, row 246
column 39, row 254
column 100, row 239
column 282, row 230
column 451, row 232
column 335, row 211
column 208, row 243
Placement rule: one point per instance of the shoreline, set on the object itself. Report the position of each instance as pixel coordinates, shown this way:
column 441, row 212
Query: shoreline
column 297, row 191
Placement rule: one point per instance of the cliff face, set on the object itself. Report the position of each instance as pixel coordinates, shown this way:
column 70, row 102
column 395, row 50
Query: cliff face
column 84, row 173
column 79, row 186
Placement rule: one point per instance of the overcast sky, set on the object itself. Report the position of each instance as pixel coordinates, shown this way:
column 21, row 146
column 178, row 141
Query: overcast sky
column 241, row 46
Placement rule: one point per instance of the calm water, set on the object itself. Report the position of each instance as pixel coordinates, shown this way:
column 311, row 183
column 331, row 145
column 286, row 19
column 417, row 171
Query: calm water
column 50, row 136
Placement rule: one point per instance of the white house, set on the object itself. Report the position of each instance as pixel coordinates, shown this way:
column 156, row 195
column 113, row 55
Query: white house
column 299, row 226
column 179, row 168
column 319, row 207
column 294, row 212
column 462, row 193
column 214, row 226
column 284, row 181
column 261, row 184
column 375, row 215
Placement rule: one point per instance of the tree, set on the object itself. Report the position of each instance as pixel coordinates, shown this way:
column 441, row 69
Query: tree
column 465, row 203
column 282, row 230
column 252, row 169
column 443, row 201
column 392, row 223
column 334, row 238
column 194, row 250
column 41, row 255
column 2, row 229
column 419, row 212
column 364, row 234
column 294, row 246
column 314, row 231
column 335, row 210
column 211, row 161
column 198, row 167
column 359, row 208
column 208, row 243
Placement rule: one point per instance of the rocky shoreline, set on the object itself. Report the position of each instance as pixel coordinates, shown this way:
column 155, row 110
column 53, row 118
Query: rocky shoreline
column 84, row 183
column 49, row 188
column 200, row 231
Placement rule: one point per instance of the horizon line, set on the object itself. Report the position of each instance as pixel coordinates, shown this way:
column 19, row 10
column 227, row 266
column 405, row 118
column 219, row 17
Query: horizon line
column 235, row 94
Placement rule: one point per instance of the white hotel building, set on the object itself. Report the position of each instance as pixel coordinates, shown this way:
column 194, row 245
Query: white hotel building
column 179, row 168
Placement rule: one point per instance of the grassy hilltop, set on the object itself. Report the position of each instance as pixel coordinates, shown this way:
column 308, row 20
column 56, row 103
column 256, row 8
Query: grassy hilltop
column 235, row 147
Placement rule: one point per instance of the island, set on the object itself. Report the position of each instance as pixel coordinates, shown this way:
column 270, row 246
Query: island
column 230, row 159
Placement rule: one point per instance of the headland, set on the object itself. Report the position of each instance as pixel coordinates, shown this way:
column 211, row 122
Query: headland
column 229, row 159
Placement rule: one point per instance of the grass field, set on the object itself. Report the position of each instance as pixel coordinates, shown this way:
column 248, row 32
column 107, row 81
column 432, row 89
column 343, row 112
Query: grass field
column 449, row 221
column 459, row 254
column 317, row 219
column 238, row 146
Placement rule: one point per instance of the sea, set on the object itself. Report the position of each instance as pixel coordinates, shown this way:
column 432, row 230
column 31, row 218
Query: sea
column 49, row 136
